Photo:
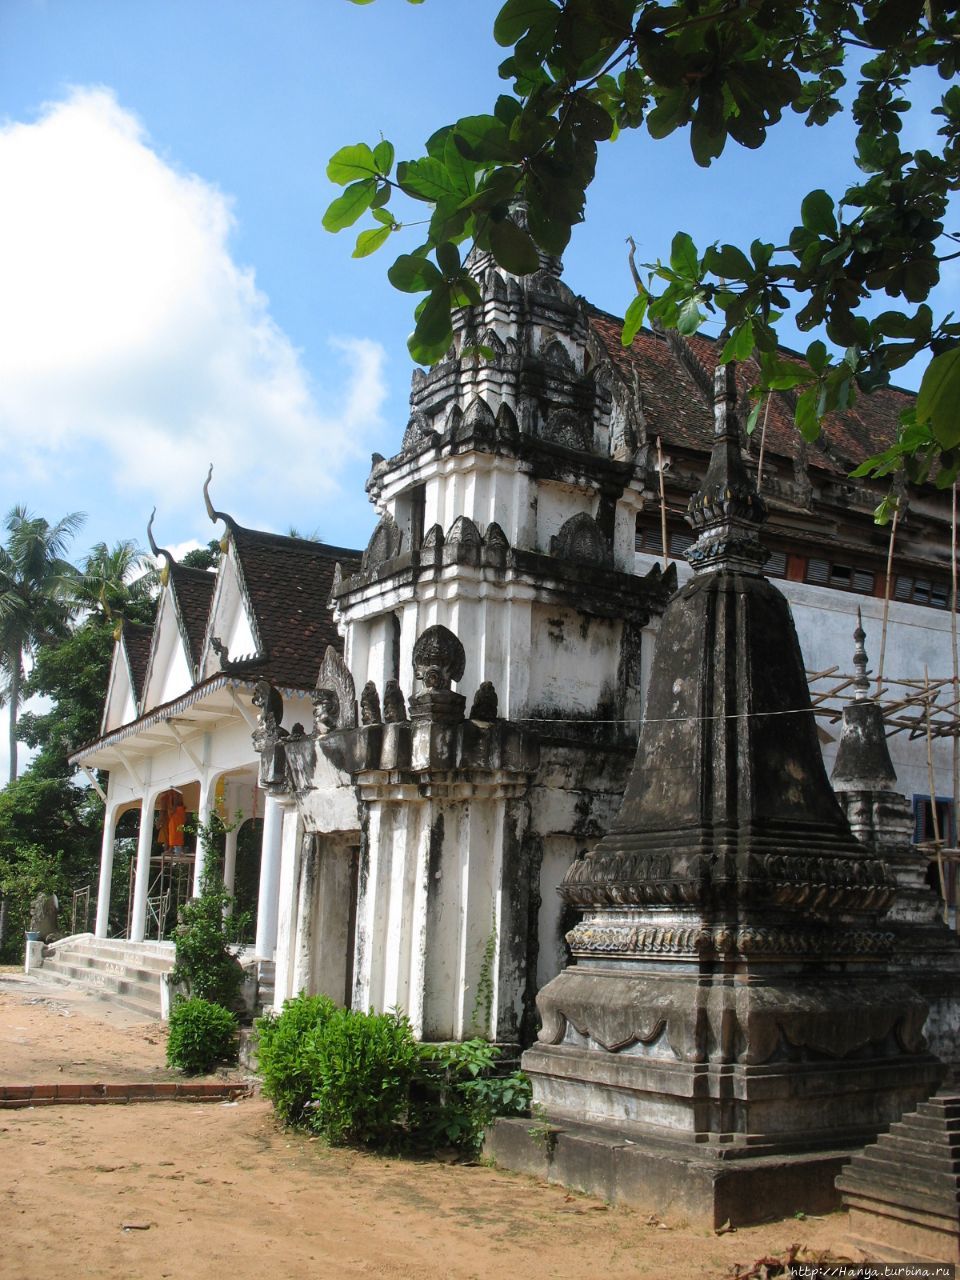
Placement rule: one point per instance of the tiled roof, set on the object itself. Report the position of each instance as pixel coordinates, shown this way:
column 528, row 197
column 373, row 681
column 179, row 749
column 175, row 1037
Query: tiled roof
column 136, row 640
column 676, row 408
column 288, row 583
column 193, row 589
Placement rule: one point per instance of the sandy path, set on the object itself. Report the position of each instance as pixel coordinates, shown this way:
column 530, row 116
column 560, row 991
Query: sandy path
column 52, row 1033
column 181, row 1190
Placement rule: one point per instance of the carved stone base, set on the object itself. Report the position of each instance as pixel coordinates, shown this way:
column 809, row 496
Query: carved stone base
column 754, row 1057
column 703, row 1186
column 775, row 1109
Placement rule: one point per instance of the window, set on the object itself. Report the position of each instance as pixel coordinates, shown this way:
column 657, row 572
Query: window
column 841, row 577
column 649, row 541
column 776, row 566
column 923, row 831
column 923, row 828
column 922, row 591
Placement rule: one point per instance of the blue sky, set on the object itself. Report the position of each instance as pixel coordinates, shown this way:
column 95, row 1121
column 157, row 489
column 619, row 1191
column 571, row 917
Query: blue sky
column 170, row 297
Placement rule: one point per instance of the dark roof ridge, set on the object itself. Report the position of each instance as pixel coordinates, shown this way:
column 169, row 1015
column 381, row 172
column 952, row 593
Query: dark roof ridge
column 192, row 571
column 305, row 544
column 781, row 347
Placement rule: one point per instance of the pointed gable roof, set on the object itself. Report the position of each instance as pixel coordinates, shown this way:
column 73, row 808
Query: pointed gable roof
column 286, row 583
column 675, row 377
column 136, row 640
column 192, row 590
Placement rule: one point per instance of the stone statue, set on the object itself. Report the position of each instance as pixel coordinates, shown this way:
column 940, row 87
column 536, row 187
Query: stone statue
column 44, row 916
column 438, row 658
column 370, row 705
column 485, row 703
column 334, row 699
column 326, row 710
column 394, row 706
column 270, row 708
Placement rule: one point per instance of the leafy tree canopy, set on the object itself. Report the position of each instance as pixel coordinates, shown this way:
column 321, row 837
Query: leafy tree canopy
column 581, row 71
column 207, row 557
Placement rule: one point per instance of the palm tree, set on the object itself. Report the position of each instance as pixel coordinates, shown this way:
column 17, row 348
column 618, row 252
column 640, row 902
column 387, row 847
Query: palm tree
column 113, row 581
column 36, row 599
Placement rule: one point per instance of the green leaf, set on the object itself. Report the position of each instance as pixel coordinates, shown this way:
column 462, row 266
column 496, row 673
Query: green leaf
column 728, row 261
column 817, row 213
column 739, row 346
column 483, row 137
column 671, row 111
column 347, row 208
column 938, row 401
column 683, row 257
column 806, row 416
column 690, row 317
column 513, row 248
column 412, row 273
column 633, row 320
column 461, row 170
column 430, row 179
column 754, row 417
column 517, row 17
column 383, row 154
column 817, row 356
column 449, row 258
column 370, row 241
column 350, row 163
column 434, row 331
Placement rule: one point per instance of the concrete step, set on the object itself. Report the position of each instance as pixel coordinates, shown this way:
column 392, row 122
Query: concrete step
column 125, row 973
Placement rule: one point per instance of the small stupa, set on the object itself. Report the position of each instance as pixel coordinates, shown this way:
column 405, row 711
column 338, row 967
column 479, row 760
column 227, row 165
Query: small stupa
column 863, row 775
column 730, row 1024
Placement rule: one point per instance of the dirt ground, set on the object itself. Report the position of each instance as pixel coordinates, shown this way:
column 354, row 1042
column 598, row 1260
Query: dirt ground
column 183, row 1190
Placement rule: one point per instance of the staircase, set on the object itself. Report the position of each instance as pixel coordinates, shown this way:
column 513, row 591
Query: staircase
column 125, row 973
column 903, row 1190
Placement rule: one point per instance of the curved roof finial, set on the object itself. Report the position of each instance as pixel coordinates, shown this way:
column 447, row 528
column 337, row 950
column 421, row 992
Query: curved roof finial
column 211, row 512
column 157, row 551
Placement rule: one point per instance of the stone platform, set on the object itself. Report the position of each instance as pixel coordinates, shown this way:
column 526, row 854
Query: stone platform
column 903, row 1191
column 702, row 1185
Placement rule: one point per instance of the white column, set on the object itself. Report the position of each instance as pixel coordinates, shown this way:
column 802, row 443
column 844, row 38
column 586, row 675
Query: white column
column 230, row 858
column 106, row 870
column 268, row 896
column 207, row 789
column 287, row 896
column 138, row 923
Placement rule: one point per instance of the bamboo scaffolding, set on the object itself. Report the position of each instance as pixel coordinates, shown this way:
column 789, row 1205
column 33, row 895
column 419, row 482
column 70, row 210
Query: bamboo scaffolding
column 886, row 595
column 934, row 815
column 663, row 509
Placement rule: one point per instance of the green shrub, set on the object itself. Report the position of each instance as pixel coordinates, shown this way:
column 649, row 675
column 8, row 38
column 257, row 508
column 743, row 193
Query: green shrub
column 458, row 1095
column 284, row 1068
column 205, row 964
column 362, row 1065
column 362, row 1078
column 201, row 1035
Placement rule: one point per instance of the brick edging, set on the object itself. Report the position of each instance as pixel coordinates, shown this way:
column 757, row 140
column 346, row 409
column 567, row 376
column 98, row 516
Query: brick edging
column 45, row 1095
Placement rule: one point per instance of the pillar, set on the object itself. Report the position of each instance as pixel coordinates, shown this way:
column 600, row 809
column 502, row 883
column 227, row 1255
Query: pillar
column 106, row 871
column 268, row 897
column 207, row 788
column 230, row 858
column 138, row 923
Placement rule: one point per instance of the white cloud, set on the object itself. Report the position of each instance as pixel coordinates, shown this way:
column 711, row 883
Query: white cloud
column 127, row 328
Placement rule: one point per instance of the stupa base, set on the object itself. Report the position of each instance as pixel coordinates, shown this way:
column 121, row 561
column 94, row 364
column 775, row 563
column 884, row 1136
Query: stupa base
column 678, row 1181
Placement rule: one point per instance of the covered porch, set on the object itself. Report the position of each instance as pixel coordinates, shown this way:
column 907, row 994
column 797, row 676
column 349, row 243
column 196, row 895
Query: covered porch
column 171, row 772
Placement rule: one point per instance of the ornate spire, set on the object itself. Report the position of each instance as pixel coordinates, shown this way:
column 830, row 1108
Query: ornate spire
column 860, row 681
column 863, row 758
column 727, row 509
